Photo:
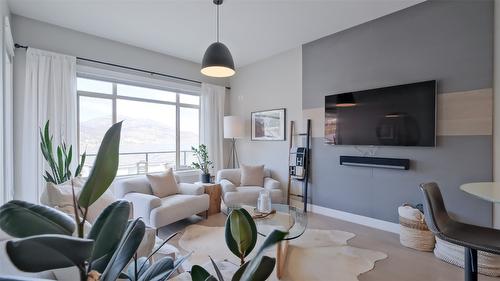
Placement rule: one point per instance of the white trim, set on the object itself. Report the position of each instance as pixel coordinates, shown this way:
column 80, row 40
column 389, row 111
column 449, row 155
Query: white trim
column 136, row 79
column 358, row 219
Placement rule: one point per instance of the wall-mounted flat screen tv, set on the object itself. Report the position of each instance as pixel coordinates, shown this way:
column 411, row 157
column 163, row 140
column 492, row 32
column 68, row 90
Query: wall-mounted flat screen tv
column 403, row 115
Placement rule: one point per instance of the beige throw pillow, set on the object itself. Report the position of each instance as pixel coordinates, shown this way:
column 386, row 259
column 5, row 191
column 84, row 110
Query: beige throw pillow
column 252, row 175
column 163, row 185
column 61, row 197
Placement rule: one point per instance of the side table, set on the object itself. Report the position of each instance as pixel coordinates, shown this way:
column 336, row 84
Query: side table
column 214, row 191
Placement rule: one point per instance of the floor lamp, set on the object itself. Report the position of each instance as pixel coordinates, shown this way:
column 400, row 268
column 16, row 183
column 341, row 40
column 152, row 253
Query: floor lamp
column 234, row 128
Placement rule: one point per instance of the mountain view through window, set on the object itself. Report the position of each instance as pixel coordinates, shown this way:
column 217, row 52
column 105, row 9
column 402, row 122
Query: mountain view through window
column 159, row 127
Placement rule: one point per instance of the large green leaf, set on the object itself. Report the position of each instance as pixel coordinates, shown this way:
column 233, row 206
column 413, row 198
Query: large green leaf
column 253, row 265
column 45, row 252
column 240, row 232
column 108, row 230
column 198, row 273
column 178, row 262
column 141, row 265
column 105, row 166
column 23, row 219
column 125, row 251
column 264, row 270
column 161, row 267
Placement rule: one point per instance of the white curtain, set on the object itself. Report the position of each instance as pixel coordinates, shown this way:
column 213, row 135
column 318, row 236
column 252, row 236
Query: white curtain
column 212, row 122
column 50, row 94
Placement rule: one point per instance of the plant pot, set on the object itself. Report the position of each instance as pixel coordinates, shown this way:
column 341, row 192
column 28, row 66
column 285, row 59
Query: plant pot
column 205, row 178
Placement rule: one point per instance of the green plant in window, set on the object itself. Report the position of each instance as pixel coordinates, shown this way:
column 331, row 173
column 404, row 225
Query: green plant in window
column 204, row 163
column 60, row 164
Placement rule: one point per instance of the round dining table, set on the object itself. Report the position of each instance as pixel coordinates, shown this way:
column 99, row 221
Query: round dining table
column 489, row 191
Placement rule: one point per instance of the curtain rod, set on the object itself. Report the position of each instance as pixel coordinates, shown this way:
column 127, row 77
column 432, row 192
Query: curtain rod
column 129, row 68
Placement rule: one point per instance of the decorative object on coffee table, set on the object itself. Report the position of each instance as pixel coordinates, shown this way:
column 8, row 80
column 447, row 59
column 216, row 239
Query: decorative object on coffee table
column 268, row 125
column 204, row 163
column 214, row 191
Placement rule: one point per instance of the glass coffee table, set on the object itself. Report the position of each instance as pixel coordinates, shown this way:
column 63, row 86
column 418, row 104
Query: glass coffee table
column 287, row 218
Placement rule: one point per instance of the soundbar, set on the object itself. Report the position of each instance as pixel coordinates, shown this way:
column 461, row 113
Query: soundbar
column 375, row 162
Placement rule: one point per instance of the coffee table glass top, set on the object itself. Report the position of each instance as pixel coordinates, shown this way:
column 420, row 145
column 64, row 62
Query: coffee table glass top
column 286, row 218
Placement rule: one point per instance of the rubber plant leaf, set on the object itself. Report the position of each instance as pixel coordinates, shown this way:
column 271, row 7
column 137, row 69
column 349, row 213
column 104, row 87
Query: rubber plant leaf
column 125, row 251
column 105, row 167
column 264, row 270
column 22, row 219
column 251, row 270
column 108, row 230
column 198, row 273
column 46, row 252
column 161, row 267
column 240, row 232
column 142, row 265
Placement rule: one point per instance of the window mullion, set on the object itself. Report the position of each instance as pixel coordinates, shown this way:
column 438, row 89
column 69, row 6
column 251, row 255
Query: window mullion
column 177, row 134
column 114, row 104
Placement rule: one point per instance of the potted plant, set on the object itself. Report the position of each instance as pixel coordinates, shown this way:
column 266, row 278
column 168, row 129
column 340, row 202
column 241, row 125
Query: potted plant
column 203, row 163
column 60, row 165
column 45, row 238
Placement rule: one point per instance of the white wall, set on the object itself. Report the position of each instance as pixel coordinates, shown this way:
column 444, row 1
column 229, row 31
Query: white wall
column 272, row 83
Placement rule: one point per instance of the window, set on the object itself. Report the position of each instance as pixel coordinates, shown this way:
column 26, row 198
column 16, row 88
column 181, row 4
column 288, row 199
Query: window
column 159, row 127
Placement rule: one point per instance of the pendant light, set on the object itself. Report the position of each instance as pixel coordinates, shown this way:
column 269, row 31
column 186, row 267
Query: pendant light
column 217, row 61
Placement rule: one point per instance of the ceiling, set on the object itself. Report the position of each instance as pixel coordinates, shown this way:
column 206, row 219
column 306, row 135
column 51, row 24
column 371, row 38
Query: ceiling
column 252, row 29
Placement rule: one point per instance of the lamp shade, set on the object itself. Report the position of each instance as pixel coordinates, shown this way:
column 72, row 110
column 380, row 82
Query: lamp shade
column 217, row 61
column 234, row 127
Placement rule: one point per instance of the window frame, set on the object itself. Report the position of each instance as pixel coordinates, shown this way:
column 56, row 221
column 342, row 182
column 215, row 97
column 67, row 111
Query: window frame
column 114, row 97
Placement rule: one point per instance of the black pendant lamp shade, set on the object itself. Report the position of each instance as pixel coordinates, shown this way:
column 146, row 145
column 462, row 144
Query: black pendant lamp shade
column 217, row 61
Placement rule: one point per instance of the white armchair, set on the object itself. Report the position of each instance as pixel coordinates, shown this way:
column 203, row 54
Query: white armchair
column 158, row 212
column 234, row 193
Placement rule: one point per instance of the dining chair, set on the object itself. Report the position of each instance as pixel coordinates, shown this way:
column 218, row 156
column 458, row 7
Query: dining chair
column 471, row 237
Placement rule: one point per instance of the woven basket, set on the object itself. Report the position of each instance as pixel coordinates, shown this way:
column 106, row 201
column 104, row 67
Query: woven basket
column 488, row 264
column 415, row 234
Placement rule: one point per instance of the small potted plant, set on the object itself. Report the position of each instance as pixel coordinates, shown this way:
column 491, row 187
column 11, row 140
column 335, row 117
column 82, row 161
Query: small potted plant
column 203, row 162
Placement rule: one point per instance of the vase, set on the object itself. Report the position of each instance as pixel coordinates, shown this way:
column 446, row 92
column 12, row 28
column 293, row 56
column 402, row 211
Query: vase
column 205, row 178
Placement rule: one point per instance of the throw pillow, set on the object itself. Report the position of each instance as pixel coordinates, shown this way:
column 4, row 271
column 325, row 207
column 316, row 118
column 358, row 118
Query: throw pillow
column 163, row 185
column 252, row 175
column 61, row 195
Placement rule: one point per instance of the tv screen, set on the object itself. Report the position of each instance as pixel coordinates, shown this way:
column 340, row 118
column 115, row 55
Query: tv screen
column 403, row 115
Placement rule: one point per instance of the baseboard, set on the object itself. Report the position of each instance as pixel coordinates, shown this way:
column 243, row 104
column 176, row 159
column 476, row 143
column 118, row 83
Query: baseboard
column 362, row 220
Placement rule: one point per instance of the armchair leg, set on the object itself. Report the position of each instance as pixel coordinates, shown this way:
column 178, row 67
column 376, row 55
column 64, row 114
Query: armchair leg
column 470, row 265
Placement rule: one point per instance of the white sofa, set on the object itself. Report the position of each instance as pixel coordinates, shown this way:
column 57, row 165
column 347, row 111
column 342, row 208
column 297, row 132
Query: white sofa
column 235, row 194
column 158, row 212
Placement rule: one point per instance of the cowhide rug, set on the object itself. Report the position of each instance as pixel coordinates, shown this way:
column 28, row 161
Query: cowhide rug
column 316, row 255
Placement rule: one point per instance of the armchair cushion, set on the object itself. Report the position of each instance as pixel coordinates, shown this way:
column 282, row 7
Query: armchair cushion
column 270, row 183
column 139, row 184
column 252, row 175
column 227, row 186
column 143, row 204
column 191, row 188
column 163, row 185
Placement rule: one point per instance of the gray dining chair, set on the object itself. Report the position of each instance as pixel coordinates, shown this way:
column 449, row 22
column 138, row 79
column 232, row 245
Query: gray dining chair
column 471, row 237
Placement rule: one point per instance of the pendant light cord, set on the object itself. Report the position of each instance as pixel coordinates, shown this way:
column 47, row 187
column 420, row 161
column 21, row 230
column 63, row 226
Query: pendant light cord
column 218, row 23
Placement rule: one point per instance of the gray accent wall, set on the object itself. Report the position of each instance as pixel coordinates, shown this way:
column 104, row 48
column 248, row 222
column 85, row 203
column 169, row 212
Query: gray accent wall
column 450, row 41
